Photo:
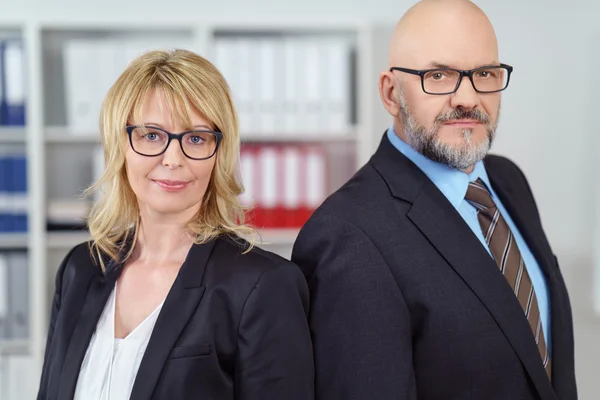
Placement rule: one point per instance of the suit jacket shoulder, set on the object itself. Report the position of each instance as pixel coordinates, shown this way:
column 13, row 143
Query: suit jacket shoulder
column 233, row 259
column 77, row 266
column 359, row 196
column 508, row 174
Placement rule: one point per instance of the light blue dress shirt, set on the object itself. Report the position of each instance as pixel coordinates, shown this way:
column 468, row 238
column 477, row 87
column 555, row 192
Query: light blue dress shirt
column 453, row 184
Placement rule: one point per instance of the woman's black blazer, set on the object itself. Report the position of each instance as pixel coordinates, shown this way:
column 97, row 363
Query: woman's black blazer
column 233, row 326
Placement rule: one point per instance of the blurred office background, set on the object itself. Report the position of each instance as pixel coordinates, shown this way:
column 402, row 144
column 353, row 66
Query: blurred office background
column 304, row 75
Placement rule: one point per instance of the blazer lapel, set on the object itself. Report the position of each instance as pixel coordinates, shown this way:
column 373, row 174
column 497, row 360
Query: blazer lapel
column 443, row 226
column 561, row 339
column 178, row 308
column 97, row 295
column 448, row 233
column 533, row 236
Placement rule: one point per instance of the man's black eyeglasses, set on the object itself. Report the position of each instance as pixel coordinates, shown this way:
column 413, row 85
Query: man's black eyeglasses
column 487, row 79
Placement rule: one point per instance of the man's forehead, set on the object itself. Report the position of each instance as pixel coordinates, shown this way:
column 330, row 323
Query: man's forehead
column 453, row 33
column 446, row 51
column 462, row 64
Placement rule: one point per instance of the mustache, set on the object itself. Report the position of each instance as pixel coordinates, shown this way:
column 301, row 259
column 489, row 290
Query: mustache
column 461, row 113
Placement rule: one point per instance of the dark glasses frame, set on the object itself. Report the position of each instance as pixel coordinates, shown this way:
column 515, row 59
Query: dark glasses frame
column 174, row 136
column 462, row 73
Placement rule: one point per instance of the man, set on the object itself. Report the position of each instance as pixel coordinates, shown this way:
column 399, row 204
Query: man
column 430, row 274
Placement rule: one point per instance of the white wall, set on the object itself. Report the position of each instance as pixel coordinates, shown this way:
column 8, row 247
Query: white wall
column 546, row 125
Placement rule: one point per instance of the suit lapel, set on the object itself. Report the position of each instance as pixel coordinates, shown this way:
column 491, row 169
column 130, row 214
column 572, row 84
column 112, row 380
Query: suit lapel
column 449, row 234
column 178, row 308
column 532, row 235
column 443, row 226
column 526, row 220
column 95, row 300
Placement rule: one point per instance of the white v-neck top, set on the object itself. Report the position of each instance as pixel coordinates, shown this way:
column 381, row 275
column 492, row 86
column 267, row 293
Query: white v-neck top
column 110, row 365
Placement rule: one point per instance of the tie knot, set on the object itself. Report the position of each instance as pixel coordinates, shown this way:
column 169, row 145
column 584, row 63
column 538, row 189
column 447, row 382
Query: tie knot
column 479, row 196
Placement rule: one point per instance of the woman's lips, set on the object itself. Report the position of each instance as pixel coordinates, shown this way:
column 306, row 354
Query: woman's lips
column 171, row 186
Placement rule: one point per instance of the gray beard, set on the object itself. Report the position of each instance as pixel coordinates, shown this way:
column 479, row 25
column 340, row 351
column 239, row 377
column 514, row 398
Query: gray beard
column 427, row 142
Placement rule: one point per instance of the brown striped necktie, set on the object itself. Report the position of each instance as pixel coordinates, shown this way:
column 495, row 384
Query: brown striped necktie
column 503, row 247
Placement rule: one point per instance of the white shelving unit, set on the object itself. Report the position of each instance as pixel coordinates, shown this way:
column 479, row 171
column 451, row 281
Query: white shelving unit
column 57, row 154
column 10, row 135
column 13, row 240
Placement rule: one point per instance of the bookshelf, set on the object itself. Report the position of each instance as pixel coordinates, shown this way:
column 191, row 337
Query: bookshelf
column 16, row 240
column 59, row 151
column 12, row 135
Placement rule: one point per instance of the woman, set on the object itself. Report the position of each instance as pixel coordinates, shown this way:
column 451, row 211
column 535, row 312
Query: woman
column 167, row 301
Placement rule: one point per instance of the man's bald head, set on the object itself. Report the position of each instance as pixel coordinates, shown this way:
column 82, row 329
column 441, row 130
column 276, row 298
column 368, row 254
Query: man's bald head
column 439, row 113
column 446, row 32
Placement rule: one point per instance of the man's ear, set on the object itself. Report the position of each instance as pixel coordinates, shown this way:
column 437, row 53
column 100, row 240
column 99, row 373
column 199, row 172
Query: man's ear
column 387, row 93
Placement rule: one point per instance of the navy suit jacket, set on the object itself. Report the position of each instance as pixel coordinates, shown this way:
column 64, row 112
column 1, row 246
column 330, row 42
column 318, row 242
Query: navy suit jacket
column 406, row 303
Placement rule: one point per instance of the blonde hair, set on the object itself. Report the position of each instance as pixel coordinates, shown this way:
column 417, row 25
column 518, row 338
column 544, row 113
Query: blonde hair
column 187, row 82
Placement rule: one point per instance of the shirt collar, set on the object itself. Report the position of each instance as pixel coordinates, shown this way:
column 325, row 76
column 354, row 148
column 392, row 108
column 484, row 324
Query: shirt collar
column 451, row 182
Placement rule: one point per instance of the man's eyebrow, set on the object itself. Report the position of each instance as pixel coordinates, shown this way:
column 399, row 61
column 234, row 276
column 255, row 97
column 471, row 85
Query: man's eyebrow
column 435, row 64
